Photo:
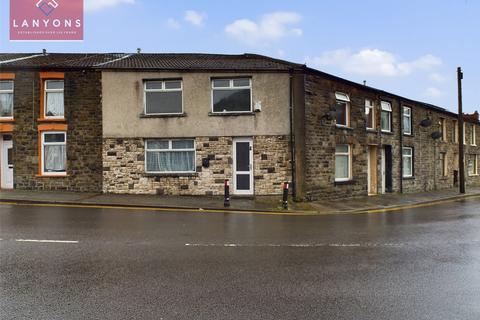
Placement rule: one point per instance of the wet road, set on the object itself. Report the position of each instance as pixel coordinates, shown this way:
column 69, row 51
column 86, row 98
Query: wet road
column 114, row 264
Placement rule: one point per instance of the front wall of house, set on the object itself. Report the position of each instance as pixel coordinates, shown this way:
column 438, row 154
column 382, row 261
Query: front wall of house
column 83, row 117
column 124, row 167
column 123, row 103
column 125, row 132
column 322, row 136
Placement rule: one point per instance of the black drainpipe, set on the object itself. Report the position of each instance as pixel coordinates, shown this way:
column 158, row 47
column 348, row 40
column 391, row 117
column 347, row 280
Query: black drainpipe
column 400, row 107
column 292, row 138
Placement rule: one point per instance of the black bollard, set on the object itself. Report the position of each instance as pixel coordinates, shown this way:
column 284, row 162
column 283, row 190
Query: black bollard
column 226, row 201
column 285, row 195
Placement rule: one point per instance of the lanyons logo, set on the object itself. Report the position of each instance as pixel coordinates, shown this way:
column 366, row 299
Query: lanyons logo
column 46, row 6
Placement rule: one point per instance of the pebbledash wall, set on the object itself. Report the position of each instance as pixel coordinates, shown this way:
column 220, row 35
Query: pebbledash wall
column 83, row 114
column 125, row 132
column 322, row 135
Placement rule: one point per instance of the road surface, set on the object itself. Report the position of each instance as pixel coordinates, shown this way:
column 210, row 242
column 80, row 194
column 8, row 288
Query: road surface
column 84, row 263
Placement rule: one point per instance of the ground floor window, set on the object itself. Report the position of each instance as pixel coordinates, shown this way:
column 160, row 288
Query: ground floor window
column 343, row 162
column 54, row 153
column 444, row 164
column 472, row 165
column 170, row 156
column 407, row 162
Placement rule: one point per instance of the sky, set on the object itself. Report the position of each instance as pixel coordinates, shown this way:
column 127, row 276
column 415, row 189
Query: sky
column 408, row 47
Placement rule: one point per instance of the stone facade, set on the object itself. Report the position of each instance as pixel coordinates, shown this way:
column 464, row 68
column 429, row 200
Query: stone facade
column 124, row 167
column 83, row 116
column 322, row 135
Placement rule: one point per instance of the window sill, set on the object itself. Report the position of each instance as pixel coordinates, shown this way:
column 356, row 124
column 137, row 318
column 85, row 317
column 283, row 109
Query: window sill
column 51, row 120
column 340, row 127
column 409, row 135
column 473, row 175
column 155, row 116
column 52, row 175
column 388, row 133
column 7, row 120
column 344, row 183
column 371, row 130
column 172, row 175
column 408, row 178
column 230, row 114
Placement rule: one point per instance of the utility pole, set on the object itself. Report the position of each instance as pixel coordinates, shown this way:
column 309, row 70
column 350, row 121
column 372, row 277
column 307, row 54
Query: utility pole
column 461, row 154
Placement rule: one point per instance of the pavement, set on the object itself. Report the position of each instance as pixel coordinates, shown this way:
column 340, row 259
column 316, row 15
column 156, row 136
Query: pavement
column 270, row 204
column 111, row 263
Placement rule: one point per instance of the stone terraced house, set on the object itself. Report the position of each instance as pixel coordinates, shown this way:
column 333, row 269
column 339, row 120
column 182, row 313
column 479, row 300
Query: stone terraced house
column 180, row 124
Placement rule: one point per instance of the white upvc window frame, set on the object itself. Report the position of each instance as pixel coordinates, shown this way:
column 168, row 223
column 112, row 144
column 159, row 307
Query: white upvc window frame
column 455, row 131
column 343, row 98
column 474, row 165
column 46, row 91
column 386, row 107
column 170, row 149
column 443, row 127
column 473, row 137
column 350, row 162
column 444, row 163
column 12, row 92
column 370, row 108
column 231, row 87
column 164, row 89
column 409, row 116
column 411, row 157
column 63, row 173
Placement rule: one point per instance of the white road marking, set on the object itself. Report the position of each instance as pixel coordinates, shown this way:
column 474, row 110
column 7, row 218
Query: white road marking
column 300, row 245
column 47, row 241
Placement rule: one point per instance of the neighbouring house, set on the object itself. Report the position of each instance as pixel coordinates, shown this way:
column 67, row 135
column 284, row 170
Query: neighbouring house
column 180, row 124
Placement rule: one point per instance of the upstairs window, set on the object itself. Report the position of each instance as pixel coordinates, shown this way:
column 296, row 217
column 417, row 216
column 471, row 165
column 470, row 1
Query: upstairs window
column 443, row 129
column 386, row 117
column 473, row 136
column 6, row 99
column 170, row 156
column 407, row 120
column 54, row 153
column 370, row 114
column 455, row 131
column 232, row 95
column 54, row 99
column 163, row 97
column 342, row 108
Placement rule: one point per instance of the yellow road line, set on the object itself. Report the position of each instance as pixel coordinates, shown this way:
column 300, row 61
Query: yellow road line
column 220, row 211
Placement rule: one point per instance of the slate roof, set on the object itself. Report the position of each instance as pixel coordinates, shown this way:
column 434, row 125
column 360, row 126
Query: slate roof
column 171, row 62
column 146, row 61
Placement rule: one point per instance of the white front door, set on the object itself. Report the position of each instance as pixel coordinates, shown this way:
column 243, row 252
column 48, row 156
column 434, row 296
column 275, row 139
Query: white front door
column 243, row 166
column 7, row 165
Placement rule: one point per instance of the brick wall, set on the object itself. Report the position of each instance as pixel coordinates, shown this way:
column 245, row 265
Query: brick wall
column 124, row 167
column 322, row 136
column 83, row 115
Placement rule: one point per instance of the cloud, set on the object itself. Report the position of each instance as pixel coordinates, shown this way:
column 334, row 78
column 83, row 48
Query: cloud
column 172, row 23
column 94, row 5
column 195, row 18
column 436, row 77
column 270, row 27
column 373, row 62
column 433, row 92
